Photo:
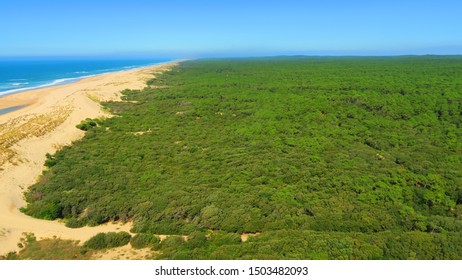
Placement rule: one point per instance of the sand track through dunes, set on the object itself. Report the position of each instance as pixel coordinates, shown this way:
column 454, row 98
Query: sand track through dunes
column 45, row 123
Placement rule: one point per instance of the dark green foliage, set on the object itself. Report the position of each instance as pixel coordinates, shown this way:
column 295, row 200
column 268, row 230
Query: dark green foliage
column 143, row 240
column 108, row 240
column 299, row 244
column 47, row 210
column 200, row 246
column 50, row 161
column 75, row 223
column 87, row 124
column 97, row 242
column 333, row 146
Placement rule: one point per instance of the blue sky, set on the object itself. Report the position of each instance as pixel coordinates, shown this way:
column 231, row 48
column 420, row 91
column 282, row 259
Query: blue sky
column 229, row 28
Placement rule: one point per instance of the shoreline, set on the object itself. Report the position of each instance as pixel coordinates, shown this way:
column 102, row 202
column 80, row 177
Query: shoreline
column 70, row 80
column 4, row 105
column 45, row 124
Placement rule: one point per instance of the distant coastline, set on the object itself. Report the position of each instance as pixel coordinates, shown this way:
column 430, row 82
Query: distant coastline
column 19, row 76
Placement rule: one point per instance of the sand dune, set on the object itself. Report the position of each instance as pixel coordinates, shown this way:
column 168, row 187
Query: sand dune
column 45, row 124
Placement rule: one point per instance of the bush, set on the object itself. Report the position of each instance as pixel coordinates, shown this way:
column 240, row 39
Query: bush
column 87, row 124
column 108, row 240
column 117, row 239
column 75, row 223
column 50, row 161
column 143, row 240
column 46, row 211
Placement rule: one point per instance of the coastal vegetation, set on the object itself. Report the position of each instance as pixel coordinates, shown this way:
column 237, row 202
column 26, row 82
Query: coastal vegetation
column 105, row 240
column 324, row 158
column 48, row 249
column 143, row 240
column 87, row 124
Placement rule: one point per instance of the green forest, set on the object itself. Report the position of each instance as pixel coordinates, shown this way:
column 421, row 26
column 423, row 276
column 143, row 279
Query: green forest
column 319, row 157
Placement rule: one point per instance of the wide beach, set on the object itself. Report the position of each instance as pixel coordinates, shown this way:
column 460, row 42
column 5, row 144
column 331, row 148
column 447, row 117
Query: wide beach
column 44, row 123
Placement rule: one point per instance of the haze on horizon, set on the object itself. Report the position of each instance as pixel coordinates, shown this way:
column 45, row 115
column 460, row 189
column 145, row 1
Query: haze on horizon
column 213, row 28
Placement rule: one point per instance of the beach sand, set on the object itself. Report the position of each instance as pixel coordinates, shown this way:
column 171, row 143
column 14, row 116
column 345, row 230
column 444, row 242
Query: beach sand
column 45, row 124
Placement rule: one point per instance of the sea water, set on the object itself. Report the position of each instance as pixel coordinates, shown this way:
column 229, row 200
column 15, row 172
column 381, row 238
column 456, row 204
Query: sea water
column 18, row 75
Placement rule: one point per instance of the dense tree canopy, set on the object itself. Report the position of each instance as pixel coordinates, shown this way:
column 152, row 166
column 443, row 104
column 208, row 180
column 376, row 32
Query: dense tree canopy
column 338, row 158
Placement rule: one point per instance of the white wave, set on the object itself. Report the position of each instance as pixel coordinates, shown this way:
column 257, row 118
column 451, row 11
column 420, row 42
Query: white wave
column 80, row 72
column 71, row 80
column 60, row 82
column 19, row 84
column 54, row 83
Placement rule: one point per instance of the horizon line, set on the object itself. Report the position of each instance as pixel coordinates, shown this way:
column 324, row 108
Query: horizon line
column 223, row 55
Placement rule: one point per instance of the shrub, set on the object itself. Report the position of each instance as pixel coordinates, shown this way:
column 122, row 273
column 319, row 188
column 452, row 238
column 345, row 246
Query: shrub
column 117, row 239
column 50, row 161
column 75, row 223
column 143, row 240
column 87, row 124
column 108, row 240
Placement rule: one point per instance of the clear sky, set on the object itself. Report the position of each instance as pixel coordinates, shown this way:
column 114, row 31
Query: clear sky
column 229, row 27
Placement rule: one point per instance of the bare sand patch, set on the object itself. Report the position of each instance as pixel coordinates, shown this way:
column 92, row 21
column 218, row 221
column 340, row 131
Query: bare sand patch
column 142, row 132
column 46, row 123
column 245, row 236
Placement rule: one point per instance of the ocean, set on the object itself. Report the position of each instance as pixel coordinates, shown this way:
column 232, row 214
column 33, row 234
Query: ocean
column 26, row 74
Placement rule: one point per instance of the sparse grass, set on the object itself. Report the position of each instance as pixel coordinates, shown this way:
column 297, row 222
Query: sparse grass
column 93, row 98
column 49, row 249
column 25, row 127
column 59, row 249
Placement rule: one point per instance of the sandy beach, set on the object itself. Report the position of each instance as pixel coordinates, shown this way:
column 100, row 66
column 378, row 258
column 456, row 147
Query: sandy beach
column 46, row 123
